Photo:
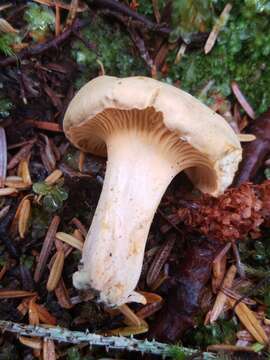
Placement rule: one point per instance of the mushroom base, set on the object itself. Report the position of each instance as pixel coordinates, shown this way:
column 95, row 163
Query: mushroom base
column 138, row 173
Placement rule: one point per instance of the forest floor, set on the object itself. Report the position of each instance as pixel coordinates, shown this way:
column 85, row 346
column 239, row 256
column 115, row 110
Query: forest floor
column 207, row 261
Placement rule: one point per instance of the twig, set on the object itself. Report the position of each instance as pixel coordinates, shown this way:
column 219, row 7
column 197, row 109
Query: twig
column 109, row 342
column 41, row 48
column 140, row 44
column 125, row 10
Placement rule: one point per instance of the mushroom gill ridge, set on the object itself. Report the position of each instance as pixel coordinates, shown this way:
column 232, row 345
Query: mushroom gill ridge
column 148, row 124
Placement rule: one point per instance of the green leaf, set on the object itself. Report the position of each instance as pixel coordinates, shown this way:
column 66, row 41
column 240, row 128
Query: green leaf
column 257, row 347
column 51, row 203
column 39, row 18
column 60, row 194
column 41, row 188
column 176, row 353
column 5, row 105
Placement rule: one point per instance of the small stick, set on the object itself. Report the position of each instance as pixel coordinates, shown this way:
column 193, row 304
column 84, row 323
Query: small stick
column 130, row 315
column 127, row 11
column 41, row 48
column 46, row 248
column 109, row 342
column 45, row 125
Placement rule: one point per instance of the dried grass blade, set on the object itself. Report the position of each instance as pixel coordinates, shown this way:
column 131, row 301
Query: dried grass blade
column 220, row 23
column 23, row 307
column 219, row 268
column 6, row 6
column 62, row 295
column 56, row 271
column 81, row 161
column 53, row 177
column 242, row 100
column 35, row 344
column 149, row 310
column 6, row 27
column 44, row 315
column 12, row 294
column 49, row 350
column 129, row 330
column 234, row 295
column 250, row 321
column 23, row 171
column 14, row 225
column 24, row 218
column 3, row 271
column 57, row 20
column 151, row 297
column 49, row 153
column 221, row 297
column 3, row 156
column 159, row 260
column 33, row 312
column 69, row 239
column 72, row 12
column 46, row 248
column 156, row 10
column 246, row 137
column 7, row 191
column 45, row 125
column 80, row 226
column 21, row 154
column 159, row 281
column 16, row 182
column 131, row 317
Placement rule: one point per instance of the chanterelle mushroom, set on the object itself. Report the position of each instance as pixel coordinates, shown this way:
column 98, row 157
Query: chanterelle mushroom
column 150, row 132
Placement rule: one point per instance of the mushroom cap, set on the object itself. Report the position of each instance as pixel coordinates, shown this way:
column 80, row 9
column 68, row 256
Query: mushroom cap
column 102, row 98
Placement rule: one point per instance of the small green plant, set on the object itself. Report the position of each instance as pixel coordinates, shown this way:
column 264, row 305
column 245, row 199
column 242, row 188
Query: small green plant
column 40, row 20
column 114, row 49
column 241, row 53
column 191, row 16
column 176, row 353
column 53, row 195
column 222, row 331
column 6, row 41
column 5, row 107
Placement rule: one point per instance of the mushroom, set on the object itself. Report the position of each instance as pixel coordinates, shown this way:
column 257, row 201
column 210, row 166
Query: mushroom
column 150, row 131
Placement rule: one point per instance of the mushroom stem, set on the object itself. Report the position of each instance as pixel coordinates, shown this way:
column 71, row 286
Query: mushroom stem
column 138, row 173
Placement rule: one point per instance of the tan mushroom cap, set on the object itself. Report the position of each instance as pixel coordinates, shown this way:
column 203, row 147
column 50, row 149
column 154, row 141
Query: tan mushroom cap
column 105, row 102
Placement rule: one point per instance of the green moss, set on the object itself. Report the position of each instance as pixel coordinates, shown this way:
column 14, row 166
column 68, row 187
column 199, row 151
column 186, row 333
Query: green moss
column 27, row 261
column 114, row 49
column 176, row 353
column 6, row 41
column 146, row 7
column 189, row 16
column 53, row 195
column 241, row 53
column 40, row 20
column 5, row 107
column 222, row 331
